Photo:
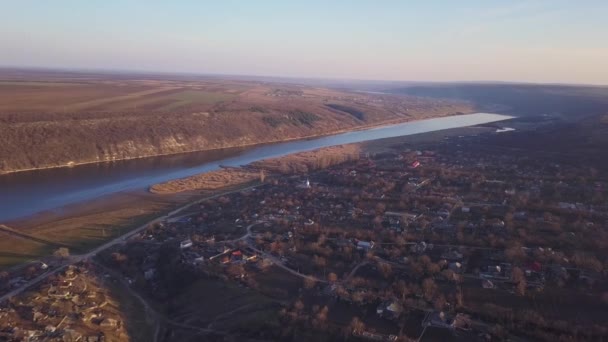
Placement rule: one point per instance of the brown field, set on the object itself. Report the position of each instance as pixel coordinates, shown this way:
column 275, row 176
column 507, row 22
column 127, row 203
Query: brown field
column 226, row 307
column 64, row 97
column 60, row 119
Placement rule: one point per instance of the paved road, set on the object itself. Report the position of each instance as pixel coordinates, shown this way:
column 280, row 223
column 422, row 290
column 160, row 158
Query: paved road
column 274, row 259
column 74, row 259
column 355, row 269
column 279, row 263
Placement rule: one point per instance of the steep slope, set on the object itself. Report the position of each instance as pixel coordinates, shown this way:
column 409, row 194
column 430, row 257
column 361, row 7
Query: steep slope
column 180, row 118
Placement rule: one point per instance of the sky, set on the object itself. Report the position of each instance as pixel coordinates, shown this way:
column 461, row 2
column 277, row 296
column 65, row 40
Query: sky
column 548, row 41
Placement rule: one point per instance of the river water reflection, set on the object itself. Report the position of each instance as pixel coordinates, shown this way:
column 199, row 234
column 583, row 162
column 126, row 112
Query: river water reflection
column 27, row 193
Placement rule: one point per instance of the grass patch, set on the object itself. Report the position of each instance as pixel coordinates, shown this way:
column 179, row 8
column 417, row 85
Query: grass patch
column 10, row 261
column 212, row 301
column 139, row 326
column 17, row 250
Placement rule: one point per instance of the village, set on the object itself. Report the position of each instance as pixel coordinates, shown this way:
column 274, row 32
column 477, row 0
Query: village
column 450, row 240
column 434, row 236
column 72, row 306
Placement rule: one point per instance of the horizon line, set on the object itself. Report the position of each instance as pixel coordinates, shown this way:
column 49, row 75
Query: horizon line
column 252, row 77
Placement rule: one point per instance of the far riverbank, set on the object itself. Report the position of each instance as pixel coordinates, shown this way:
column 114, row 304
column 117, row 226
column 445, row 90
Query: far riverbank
column 88, row 224
column 30, row 193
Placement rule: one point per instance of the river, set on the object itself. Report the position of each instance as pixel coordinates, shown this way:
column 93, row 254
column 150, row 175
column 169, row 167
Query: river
column 27, row 193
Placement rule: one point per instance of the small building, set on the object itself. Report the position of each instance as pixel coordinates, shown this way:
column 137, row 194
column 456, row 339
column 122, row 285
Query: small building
column 185, row 244
column 420, row 247
column 365, row 245
column 389, row 309
column 109, row 323
column 456, row 267
column 149, row 273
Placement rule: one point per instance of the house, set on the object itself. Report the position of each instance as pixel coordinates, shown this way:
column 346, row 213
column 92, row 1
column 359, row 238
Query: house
column 408, row 217
column 109, row 323
column 199, row 260
column 389, row 310
column 534, row 266
column 487, row 284
column 71, row 335
column 565, row 205
column 461, row 321
column 149, row 273
column 419, row 247
column 520, row 215
column 452, row 255
column 264, row 263
column 365, row 245
column 438, row 320
column 456, row 267
column 185, row 244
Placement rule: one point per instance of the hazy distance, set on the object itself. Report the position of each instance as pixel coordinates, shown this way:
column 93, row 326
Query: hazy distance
column 533, row 41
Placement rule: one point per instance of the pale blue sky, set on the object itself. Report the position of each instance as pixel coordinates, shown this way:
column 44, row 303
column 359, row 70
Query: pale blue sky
column 538, row 41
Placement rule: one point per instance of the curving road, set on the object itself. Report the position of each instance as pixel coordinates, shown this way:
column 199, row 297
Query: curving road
column 74, row 259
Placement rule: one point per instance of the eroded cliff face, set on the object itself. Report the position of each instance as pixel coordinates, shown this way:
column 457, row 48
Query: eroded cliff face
column 35, row 145
column 70, row 140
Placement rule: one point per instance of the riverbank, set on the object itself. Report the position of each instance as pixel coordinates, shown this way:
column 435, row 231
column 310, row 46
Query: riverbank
column 84, row 225
column 296, row 163
column 234, row 145
column 88, row 224
column 302, row 162
column 28, row 193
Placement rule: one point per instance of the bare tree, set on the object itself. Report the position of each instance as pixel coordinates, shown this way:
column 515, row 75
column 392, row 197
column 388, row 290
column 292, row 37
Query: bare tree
column 429, row 288
column 385, row 269
column 320, row 319
column 62, row 252
column 515, row 253
column 4, row 276
column 518, row 277
column 356, row 325
column 439, row 302
column 309, row 283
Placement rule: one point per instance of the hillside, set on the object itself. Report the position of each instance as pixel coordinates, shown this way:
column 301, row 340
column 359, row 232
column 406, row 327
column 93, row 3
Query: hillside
column 568, row 101
column 53, row 120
